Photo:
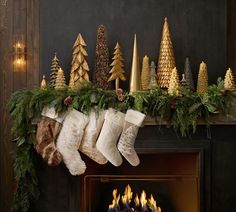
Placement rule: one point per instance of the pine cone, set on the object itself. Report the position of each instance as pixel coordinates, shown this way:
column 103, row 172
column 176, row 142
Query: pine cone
column 120, row 94
column 68, row 101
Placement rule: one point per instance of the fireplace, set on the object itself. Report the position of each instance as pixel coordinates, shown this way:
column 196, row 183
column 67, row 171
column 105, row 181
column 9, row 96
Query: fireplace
column 172, row 176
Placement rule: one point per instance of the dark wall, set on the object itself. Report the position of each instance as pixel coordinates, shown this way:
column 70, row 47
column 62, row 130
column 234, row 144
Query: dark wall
column 198, row 30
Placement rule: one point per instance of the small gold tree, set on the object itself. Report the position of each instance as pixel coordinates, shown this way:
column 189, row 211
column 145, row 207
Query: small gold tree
column 43, row 84
column 145, row 75
column 54, row 69
column 202, row 81
column 174, row 84
column 229, row 83
column 60, row 80
column 117, row 71
column 80, row 68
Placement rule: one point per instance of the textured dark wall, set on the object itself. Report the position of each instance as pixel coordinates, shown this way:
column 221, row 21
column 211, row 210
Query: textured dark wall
column 198, row 29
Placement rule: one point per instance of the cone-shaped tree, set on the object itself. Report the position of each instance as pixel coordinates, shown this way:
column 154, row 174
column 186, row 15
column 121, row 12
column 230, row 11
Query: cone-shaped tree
column 54, row 69
column 117, row 71
column 153, row 76
column 188, row 75
column 174, row 84
column 135, row 81
column 202, row 81
column 80, row 68
column 43, row 84
column 102, row 68
column 229, row 83
column 145, row 75
column 60, row 80
column 166, row 61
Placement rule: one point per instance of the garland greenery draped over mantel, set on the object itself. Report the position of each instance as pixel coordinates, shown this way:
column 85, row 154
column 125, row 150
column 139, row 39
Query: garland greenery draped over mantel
column 181, row 112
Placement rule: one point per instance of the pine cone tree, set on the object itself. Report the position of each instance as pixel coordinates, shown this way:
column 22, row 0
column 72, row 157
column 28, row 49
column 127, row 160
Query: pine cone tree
column 79, row 69
column 117, row 71
column 153, row 76
column 174, row 85
column 145, row 75
column 101, row 68
column 54, row 69
column 202, row 81
column 188, row 75
column 229, row 83
column 166, row 61
column 60, row 80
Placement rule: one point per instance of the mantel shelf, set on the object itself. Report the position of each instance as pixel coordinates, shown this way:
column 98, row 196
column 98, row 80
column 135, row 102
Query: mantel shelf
column 215, row 119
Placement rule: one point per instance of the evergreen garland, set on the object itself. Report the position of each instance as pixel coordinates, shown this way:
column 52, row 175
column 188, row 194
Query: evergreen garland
column 181, row 112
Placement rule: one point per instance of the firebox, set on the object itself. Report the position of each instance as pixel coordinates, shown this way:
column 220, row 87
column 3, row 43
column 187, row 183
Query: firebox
column 172, row 179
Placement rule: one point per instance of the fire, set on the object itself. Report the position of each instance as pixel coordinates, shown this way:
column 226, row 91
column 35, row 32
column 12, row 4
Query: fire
column 139, row 204
column 115, row 201
column 128, row 194
column 153, row 205
column 143, row 199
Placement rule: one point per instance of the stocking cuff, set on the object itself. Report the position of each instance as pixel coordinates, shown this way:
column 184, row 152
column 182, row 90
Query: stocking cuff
column 50, row 112
column 78, row 117
column 135, row 117
column 115, row 116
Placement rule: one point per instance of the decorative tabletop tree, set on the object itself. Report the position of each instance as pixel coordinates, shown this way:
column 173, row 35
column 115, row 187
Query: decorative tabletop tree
column 174, row 85
column 229, row 83
column 80, row 68
column 166, row 61
column 54, row 69
column 102, row 68
column 117, row 71
column 202, row 81
column 145, row 75
column 60, row 80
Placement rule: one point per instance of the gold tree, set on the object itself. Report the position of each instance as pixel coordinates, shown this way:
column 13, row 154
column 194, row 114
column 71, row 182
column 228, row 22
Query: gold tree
column 202, row 81
column 43, row 84
column 54, row 69
column 229, row 83
column 60, row 80
column 117, row 71
column 174, row 85
column 166, row 61
column 80, row 68
column 145, row 74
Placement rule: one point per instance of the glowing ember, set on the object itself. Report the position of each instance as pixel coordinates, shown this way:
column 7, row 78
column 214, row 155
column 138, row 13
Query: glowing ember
column 141, row 204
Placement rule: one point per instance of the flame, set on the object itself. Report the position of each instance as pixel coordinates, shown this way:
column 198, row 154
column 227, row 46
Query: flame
column 153, row 205
column 128, row 194
column 143, row 199
column 115, row 200
column 136, row 200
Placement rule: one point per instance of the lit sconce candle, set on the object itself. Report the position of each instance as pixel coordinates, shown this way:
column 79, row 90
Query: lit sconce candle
column 19, row 59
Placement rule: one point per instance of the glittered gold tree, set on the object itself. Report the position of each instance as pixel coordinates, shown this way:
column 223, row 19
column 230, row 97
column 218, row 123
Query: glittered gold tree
column 174, row 84
column 54, row 69
column 117, row 71
column 153, row 76
column 202, row 81
column 79, row 70
column 60, row 80
column 145, row 74
column 102, row 66
column 43, row 84
column 229, row 83
column 166, row 61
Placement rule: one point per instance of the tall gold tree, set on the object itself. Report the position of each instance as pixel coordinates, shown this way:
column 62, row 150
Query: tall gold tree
column 60, row 79
column 117, row 71
column 166, row 61
column 202, row 81
column 229, row 83
column 145, row 74
column 54, row 69
column 80, row 68
column 174, row 84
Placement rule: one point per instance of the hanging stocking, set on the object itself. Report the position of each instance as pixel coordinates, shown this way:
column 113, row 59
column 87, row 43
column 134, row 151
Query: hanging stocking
column 109, row 135
column 70, row 138
column 88, row 144
column 48, row 129
column 133, row 120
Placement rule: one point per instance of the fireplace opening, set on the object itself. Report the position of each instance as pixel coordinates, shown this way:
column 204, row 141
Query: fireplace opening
column 173, row 180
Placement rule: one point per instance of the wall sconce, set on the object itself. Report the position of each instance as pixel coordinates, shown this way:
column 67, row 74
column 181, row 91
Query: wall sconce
column 19, row 53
